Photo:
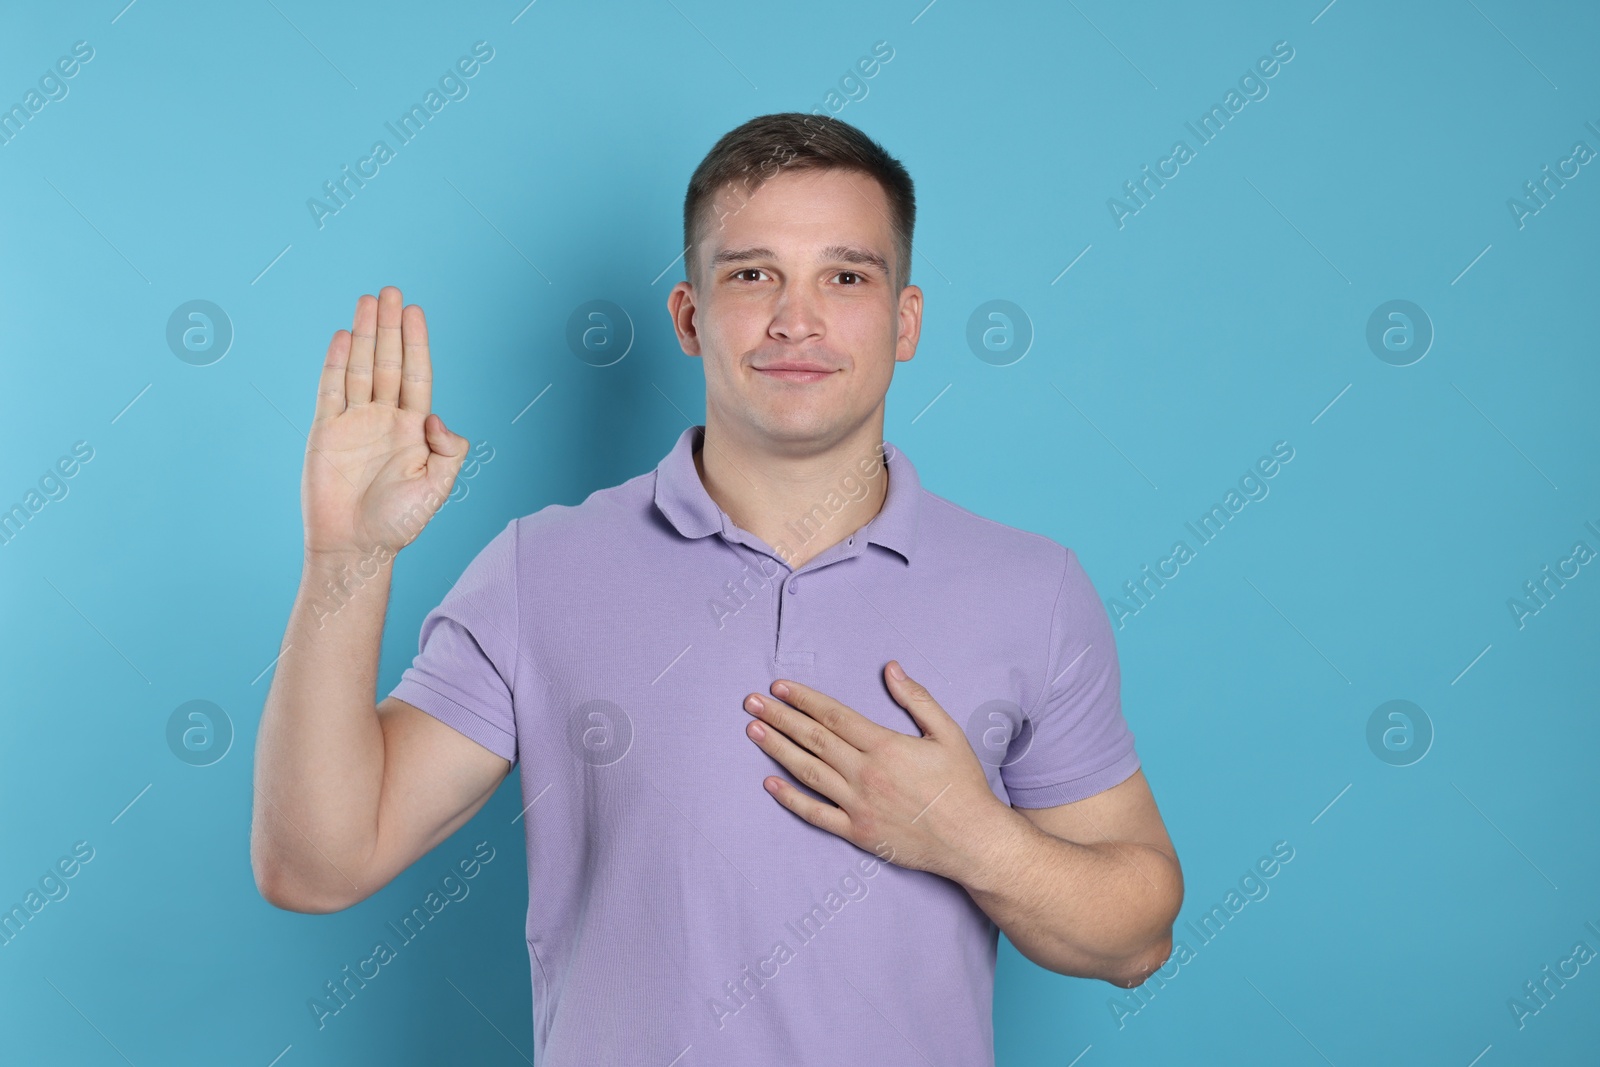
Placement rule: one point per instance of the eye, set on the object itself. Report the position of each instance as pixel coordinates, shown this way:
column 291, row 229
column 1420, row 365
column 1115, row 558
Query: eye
column 738, row 274
column 851, row 274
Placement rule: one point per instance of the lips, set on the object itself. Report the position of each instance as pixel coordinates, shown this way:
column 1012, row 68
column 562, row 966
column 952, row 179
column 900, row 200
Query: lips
column 795, row 370
column 796, row 374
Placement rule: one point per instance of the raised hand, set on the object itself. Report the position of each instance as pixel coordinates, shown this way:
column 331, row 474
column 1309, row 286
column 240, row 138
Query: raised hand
column 378, row 463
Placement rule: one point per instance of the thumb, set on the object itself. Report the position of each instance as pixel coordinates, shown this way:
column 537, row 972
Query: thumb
column 915, row 698
column 441, row 441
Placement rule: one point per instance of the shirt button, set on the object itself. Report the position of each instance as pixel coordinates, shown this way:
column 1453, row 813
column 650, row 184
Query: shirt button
column 794, row 585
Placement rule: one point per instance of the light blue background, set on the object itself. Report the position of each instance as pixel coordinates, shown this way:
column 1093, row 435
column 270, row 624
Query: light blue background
column 1223, row 317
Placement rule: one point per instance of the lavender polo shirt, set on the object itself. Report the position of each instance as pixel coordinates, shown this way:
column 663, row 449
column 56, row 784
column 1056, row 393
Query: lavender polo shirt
column 677, row 913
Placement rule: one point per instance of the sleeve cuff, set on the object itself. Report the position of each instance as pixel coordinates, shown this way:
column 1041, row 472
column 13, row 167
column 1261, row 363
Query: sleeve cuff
column 1050, row 795
column 458, row 716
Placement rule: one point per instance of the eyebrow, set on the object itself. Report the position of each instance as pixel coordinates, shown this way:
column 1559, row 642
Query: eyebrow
column 834, row 253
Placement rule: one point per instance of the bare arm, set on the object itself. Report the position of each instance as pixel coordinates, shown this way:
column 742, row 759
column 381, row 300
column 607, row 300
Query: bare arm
column 347, row 794
column 1089, row 889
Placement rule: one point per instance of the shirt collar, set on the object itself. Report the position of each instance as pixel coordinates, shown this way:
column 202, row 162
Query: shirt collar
column 682, row 497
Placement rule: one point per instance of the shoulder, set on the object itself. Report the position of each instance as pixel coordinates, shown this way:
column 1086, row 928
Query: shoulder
column 952, row 531
column 600, row 513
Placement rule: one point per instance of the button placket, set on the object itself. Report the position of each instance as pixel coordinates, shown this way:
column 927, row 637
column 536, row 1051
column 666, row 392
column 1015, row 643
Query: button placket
column 788, row 656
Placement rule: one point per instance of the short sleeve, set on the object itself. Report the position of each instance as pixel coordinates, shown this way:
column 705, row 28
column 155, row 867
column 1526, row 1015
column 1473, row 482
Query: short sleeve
column 464, row 673
column 1081, row 744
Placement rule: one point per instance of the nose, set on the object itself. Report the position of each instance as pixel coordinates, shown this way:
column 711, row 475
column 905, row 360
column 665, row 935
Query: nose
column 797, row 315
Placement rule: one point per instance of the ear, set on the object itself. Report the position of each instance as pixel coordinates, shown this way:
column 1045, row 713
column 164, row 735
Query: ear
column 910, row 323
column 681, row 307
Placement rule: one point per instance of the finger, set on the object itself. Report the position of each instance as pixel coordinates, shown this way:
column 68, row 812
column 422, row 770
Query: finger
column 330, row 387
column 445, row 444
column 811, row 772
column 915, row 698
column 842, row 720
column 804, row 731
column 358, row 374
column 386, row 367
column 416, row 373
column 813, row 811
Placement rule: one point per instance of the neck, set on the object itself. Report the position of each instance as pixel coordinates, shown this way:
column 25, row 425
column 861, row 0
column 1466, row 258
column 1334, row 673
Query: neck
column 787, row 495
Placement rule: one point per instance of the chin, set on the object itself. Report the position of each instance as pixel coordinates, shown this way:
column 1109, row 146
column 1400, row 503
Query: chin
column 794, row 425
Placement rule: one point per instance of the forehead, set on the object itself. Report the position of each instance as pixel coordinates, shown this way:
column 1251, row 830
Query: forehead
column 809, row 210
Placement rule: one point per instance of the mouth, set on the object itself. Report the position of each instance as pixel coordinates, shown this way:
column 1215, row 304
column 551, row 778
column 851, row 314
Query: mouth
column 796, row 375
column 799, row 371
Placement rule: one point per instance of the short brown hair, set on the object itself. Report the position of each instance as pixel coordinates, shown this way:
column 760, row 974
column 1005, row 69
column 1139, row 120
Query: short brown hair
column 793, row 140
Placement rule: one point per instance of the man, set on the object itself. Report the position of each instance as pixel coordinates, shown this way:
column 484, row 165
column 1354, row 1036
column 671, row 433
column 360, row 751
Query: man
column 930, row 698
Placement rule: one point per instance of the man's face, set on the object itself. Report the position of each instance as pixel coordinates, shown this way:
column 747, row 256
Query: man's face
column 799, row 272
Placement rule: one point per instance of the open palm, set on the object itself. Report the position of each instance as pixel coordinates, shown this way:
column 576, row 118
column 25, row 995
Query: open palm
column 378, row 463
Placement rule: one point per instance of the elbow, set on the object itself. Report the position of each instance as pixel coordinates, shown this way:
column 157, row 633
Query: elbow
column 274, row 887
column 271, row 876
column 1142, row 967
column 277, row 885
column 282, row 893
column 271, row 886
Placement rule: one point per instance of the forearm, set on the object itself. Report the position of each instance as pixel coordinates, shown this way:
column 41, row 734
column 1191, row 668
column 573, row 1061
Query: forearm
column 1093, row 911
column 319, row 750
